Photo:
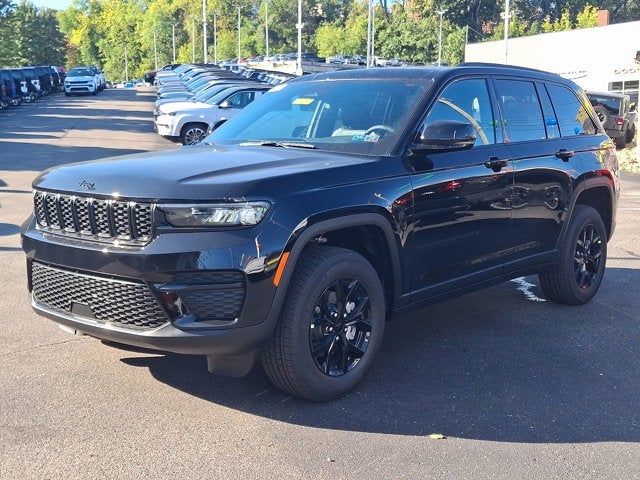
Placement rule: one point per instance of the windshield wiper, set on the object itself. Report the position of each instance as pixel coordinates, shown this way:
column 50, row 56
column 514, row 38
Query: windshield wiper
column 273, row 143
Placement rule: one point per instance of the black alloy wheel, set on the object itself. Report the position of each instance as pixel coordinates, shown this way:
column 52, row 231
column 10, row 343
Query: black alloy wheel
column 340, row 327
column 588, row 255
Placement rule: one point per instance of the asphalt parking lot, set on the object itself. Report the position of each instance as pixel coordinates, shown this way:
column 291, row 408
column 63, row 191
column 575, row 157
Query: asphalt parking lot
column 520, row 387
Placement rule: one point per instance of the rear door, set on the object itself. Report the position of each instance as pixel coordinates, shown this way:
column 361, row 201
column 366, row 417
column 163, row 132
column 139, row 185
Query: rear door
column 544, row 165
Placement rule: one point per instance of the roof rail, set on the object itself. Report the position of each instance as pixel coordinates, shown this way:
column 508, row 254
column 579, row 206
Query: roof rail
column 502, row 65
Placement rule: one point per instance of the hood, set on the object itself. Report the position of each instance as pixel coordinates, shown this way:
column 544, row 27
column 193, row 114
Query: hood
column 202, row 172
column 185, row 105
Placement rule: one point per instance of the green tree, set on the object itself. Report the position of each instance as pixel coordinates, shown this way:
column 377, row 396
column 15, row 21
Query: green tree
column 588, row 17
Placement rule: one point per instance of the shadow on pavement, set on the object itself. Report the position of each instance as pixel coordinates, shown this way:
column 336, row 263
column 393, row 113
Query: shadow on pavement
column 7, row 229
column 38, row 157
column 491, row 365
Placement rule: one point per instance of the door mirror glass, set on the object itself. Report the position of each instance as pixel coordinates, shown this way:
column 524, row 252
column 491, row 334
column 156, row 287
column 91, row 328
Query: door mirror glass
column 632, row 107
column 447, row 135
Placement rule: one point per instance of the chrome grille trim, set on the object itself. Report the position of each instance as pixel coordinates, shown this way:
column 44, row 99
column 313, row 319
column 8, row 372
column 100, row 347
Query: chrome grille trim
column 115, row 221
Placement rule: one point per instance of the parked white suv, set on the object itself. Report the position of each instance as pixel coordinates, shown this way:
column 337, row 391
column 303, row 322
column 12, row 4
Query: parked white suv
column 80, row 80
column 190, row 120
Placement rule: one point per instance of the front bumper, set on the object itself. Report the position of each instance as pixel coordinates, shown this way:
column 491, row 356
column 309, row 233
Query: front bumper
column 164, row 125
column 79, row 88
column 161, row 268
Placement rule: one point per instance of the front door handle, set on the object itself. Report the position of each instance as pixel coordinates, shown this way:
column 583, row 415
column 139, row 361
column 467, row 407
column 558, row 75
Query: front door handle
column 496, row 164
column 564, row 154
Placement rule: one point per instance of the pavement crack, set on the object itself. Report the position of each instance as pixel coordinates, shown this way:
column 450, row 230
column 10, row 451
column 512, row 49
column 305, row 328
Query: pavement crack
column 41, row 346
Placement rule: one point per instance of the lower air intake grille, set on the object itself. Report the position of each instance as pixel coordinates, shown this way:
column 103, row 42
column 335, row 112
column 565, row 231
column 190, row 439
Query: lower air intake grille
column 121, row 303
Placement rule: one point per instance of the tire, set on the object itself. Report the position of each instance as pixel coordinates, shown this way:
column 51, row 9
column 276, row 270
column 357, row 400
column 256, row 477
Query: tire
column 192, row 132
column 561, row 285
column 631, row 133
column 94, row 93
column 603, row 113
column 288, row 358
column 620, row 142
column 66, row 94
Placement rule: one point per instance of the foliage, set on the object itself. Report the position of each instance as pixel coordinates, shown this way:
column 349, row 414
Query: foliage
column 29, row 35
column 96, row 32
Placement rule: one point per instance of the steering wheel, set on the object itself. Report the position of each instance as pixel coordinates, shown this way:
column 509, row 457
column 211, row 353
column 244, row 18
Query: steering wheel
column 381, row 128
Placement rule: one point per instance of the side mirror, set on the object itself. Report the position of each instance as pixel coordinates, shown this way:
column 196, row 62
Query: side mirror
column 447, row 135
column 632, row 107
column 225, row 104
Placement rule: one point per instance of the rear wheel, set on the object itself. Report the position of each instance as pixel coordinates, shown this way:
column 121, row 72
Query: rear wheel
column 620, row 142
column 583, row 256
column 631, row 133
column 193, row 133
column 331, row 326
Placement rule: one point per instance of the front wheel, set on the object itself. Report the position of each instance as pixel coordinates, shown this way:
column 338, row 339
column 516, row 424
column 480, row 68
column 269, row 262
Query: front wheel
column 583, row 256
column 193, row 133
column 331, row 326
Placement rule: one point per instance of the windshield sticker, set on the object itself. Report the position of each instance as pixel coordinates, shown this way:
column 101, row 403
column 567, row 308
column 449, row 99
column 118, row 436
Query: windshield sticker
column 302, row 101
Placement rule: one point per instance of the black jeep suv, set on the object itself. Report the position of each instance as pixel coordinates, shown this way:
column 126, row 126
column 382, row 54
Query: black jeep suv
column 320, row 210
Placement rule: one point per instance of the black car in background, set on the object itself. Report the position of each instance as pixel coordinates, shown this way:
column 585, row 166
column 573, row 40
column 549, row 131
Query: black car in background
column 617, row 114
column 324, row 208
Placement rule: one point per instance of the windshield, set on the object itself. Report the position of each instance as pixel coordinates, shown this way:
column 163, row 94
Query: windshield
column 354, row 116
column 79, row 72
column 211, row 91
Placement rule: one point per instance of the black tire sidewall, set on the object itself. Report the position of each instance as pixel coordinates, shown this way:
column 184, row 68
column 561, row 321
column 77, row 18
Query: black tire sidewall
column 299, row 317
column 583, row 216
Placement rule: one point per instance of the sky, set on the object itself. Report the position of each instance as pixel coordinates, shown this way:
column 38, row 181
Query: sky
column 59, row 4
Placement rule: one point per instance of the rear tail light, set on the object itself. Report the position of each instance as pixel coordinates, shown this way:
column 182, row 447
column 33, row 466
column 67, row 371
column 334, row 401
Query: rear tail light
column 619, row 120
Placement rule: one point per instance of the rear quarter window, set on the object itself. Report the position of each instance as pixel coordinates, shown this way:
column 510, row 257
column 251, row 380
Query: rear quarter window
column 573, row 118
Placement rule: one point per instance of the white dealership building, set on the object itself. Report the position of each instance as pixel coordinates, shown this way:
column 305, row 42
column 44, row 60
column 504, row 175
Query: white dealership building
column 603, row 59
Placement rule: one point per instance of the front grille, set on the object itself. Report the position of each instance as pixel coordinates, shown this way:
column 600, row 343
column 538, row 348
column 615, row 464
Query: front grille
column 102, row 220
column 121, row 303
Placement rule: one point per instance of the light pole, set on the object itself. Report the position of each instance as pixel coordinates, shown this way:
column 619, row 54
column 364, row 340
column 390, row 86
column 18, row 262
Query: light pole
column 238, row 61
column 369, row 31
column 126, row 64
column 506, row 15
column 204, row 31
column 299, row 27
column 441, row 13
column 215, row 37
column 266, row 29
column 155, row 49
column 193, row 40
column 173, row 34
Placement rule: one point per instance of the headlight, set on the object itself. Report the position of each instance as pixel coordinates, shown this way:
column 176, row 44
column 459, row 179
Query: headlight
column 215, row 215
column 172, row 113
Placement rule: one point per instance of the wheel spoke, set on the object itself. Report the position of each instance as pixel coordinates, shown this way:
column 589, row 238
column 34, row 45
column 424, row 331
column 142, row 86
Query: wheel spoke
column 361, row 325
column 323, row 344
column 358, row 309
column 355, row 351
column 344, row 356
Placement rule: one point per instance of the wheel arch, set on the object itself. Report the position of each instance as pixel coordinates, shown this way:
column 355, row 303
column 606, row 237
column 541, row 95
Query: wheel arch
column 332, row 232
column 596, row 192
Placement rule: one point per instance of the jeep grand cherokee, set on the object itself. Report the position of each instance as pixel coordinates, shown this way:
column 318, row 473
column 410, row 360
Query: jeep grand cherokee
column 333, row 202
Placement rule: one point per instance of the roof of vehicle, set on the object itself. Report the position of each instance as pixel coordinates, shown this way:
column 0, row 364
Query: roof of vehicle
column 432, row 72
column 607, row 94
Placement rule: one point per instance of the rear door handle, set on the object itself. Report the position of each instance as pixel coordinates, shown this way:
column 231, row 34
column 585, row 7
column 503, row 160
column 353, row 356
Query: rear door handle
column 564, row 154
column 496, row 164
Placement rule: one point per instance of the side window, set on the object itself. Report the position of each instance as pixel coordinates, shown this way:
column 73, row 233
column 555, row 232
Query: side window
column 467, row 101
column 240, row 99
column 550, row 120
column 520, row 110
column 572, row 116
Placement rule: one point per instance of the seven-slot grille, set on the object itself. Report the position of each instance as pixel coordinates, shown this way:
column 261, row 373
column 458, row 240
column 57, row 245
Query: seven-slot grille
column 122, row 303
column 103, row 220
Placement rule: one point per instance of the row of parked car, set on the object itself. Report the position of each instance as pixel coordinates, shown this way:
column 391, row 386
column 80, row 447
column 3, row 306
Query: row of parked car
column 26, row 84
column 193, row 100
